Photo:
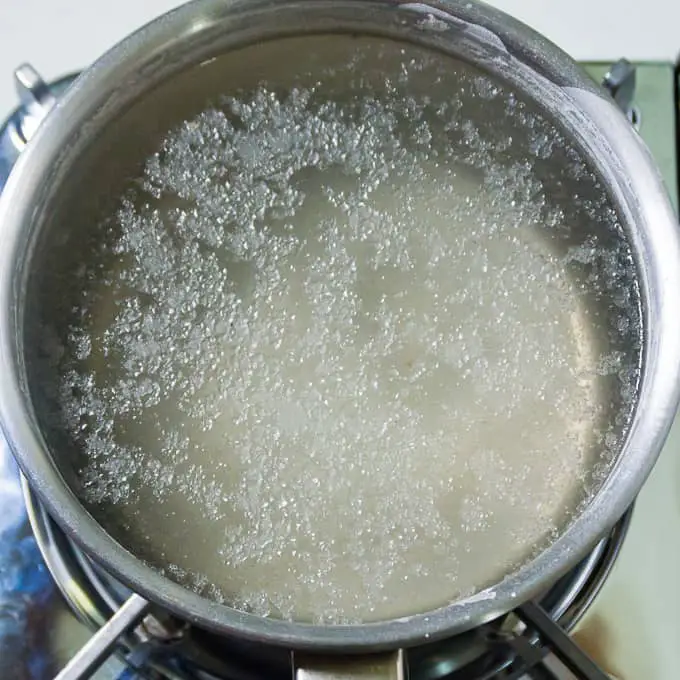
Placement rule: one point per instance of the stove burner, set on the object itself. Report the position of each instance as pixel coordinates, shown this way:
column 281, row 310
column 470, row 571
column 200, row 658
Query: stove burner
column 175, row 650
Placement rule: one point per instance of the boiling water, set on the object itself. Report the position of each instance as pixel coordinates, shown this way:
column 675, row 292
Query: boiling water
column 341, row 355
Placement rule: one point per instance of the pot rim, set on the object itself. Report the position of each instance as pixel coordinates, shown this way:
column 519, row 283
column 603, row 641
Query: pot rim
column 499, row 43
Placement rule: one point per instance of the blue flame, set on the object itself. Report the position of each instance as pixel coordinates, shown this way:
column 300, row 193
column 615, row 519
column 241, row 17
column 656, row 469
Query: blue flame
column 25, row 584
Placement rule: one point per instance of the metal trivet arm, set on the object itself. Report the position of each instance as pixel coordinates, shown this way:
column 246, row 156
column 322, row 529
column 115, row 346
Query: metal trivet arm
column 528, row 658
column 138, row 658
column 101, row 645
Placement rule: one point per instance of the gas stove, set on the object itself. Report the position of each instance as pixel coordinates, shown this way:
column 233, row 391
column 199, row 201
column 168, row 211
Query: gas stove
column 619, row 605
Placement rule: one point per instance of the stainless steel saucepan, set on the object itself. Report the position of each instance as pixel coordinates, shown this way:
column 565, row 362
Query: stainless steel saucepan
column 472, row 32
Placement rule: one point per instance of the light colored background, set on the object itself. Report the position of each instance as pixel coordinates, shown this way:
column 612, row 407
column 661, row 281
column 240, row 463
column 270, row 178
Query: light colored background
column 58, row 36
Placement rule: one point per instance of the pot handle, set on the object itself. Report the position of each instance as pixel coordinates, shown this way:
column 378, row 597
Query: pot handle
column 388, row 666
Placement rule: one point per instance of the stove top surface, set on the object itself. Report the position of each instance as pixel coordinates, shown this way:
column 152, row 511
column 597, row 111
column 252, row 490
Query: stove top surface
column 631, row 629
